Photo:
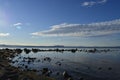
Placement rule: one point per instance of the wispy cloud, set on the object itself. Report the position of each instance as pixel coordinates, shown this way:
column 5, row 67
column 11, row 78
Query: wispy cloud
column 18, row 25
column 82, row 30
column 4, row 34
column 91, row 3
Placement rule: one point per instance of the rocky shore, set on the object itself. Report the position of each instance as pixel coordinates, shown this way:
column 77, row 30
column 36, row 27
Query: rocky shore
column 9, row 72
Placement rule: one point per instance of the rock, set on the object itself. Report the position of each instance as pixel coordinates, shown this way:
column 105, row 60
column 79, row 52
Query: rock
column 39, row 60
column 58, row 63
column 109, row 68
column 27, row 51
column 48, row 73
column 35, row 50
column 69, row 78
column 65, row 74
column 18, row 51
column 26, row 79
column 10, row 72
column 57, row 73
column 47, row 59
column 81, row 78
column 13, row 76
column 44, row 70
column 26, row 66
column 99, row 68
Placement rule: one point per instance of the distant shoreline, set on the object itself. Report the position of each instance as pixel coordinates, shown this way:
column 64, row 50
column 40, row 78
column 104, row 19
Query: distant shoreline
column 24, row 46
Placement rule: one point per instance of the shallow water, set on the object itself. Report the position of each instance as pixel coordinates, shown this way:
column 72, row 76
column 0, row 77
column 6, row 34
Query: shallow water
column 90, row 66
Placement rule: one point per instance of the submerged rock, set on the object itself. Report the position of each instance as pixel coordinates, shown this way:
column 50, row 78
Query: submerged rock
column 58, row 63
column 47, row 59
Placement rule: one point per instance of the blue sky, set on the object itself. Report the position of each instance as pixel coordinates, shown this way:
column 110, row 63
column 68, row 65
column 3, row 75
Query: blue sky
column 60, row 22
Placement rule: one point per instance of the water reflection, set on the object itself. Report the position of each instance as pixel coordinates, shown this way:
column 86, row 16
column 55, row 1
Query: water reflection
column 88, row 64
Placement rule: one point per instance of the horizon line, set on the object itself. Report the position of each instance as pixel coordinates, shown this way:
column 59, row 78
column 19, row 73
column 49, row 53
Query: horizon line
column 9, row 45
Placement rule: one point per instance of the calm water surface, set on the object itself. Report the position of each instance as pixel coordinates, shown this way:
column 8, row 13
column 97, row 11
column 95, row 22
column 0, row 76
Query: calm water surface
column 90, row 66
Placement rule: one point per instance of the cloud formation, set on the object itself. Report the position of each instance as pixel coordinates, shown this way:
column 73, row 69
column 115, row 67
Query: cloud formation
column 4, row 34
column 18, row 25
column 82, row 30
column 92, row 3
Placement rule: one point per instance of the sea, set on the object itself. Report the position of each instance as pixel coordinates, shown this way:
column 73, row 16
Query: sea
column 80, row 65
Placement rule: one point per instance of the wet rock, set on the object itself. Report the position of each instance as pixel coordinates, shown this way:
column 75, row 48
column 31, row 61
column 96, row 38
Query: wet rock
column 9, row 72
column 26, row 78
column 35, row 50
column 99, row 68
column 23, row 65
column 57, row 73
column 109, row 68
column 27, row 51
column 44, row 70
column 23, row 60
column 18, row 51
column 26, row 66
column 73, row 50
column 13, row 76
column 47, row 59
column 28, row 61
column 48, row 73
column 13, row 62
column 88, row 67
column 65, row 74
column 39, row 60
column 81, row 78
column 69, row 78
column 34, row 70
column 76, row 68
column 58, row 63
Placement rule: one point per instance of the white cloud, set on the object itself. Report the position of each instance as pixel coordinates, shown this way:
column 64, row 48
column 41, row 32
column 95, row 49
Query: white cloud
column 18, row 25
column 91, row 3
column 82, row 30
column 4, row 34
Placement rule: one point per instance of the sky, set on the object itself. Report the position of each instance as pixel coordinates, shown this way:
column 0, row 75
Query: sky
column 60, row 22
